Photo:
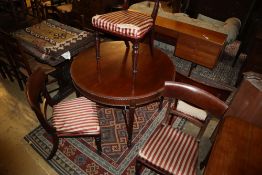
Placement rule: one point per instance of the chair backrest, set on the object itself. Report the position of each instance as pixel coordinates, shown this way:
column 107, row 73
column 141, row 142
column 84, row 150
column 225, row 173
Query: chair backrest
column 154, row 12
column 196, row 97
column 38, row 97
column 15, row 53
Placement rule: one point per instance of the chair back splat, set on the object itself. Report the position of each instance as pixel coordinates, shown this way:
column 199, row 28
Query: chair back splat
column 76, row 117
column 173, row 151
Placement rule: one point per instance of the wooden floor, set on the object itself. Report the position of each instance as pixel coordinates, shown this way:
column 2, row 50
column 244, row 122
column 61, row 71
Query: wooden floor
column 17, row 120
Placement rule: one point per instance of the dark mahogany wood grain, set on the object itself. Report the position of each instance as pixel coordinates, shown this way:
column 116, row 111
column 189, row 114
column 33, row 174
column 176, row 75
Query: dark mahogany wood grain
column 110, row 80
column 195, row 44
column 237, row 149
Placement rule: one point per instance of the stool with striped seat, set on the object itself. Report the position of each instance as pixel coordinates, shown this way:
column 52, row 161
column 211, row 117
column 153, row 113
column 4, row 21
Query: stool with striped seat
column 172, row 151
column 72, row 118
column 128, row 25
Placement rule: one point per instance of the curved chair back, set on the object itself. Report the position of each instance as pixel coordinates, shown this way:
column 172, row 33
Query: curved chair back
column 35, row 90
column 196, row 96
column 168, row 140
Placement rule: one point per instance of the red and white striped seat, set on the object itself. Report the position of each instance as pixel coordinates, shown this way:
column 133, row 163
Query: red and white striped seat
column 171, row 150
column 126, row 23
column 76, row 117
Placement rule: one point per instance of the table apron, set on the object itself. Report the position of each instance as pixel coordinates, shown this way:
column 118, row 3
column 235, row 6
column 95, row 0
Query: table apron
column 122, row 102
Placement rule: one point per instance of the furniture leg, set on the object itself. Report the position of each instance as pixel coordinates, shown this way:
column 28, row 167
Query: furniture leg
column 135, row 55
column 193, row 65
column 138, row 168
column 64, row 81
column 161, row 99
column 55, row 147
column 203, row 163
column 124, row 112
column 151, row 41
column 77, row 93
column 97, row 45
column 130, row 125
column 237, row 55
column 127, row 43
column 98, row 144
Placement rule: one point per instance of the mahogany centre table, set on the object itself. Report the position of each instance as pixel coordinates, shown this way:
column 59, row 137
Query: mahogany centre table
column 110, row 81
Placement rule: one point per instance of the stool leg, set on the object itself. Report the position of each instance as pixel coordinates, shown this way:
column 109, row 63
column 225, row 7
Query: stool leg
column 135, row 55
column 97, row 45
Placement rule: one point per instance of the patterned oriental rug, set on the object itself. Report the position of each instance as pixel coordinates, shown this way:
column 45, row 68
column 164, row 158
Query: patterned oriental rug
column 222, row 75
column 78, row 155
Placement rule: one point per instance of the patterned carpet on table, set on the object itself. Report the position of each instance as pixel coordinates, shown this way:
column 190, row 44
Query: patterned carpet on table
column 78, row 155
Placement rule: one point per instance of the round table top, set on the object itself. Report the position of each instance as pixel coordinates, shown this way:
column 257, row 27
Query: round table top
column 110, row 80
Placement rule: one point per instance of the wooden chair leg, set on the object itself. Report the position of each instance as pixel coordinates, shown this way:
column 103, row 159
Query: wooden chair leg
column 98, row 144
column 204, row 162
column 8, row 73
column 161, row 100
column 151, row 40
column 77, row 93
column 127, row 44
column 135, row 55
column 138, row 168
column 55, row 147
column 97, row 45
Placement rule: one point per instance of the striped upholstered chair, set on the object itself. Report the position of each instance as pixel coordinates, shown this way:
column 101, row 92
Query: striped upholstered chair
column 128, row 25
column 72, row 118
column 172, row 151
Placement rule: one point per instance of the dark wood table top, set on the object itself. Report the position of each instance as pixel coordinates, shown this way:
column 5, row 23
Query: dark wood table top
column 110, row 81
column 237, row 149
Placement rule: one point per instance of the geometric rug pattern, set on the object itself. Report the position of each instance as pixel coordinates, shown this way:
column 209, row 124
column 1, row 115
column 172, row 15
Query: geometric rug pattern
column 78, row 155
column 222, row 75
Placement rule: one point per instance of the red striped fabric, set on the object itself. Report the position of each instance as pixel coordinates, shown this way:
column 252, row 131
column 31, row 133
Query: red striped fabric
column 126, row 23
column 76, row 117
column 171, row 150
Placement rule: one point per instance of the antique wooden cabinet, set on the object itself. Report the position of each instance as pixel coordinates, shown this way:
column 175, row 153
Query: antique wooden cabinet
column 247, row 102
